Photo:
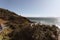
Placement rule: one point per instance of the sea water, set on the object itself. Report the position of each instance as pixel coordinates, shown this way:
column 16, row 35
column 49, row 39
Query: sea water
column 46, row 20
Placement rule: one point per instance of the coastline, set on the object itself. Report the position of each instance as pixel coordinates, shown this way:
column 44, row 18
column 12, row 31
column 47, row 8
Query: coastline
column 25, row 29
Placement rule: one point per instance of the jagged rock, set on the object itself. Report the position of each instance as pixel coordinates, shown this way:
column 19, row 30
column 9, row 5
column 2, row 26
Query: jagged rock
column 45, row 32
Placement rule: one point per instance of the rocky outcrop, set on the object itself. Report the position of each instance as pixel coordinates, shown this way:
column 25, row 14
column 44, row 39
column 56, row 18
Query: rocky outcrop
column 15, row 27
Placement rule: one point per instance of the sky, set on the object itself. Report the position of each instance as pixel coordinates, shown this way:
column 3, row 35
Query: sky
column 33, row 8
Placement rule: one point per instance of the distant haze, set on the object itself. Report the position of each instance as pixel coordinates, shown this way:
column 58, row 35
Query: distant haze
column 33, row 8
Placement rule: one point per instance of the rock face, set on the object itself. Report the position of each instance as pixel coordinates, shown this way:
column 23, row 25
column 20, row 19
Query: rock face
column 15, row 27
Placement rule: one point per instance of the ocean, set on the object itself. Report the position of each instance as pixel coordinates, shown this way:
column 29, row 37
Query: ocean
column 46, row 20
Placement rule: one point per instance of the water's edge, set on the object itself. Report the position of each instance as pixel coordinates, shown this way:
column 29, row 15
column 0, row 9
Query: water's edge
column 51, row 21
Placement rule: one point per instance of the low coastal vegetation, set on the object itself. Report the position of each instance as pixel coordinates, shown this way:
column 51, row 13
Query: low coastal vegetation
column 16, row 27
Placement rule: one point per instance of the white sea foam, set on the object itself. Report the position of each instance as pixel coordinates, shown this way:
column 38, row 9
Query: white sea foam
column 47, row 21
column 57, row 25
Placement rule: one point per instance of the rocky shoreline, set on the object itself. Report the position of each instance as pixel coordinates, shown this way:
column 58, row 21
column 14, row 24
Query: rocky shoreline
column 17, row 27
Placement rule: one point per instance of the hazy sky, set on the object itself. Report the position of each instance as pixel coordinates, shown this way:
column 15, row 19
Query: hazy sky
column 33, row 8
